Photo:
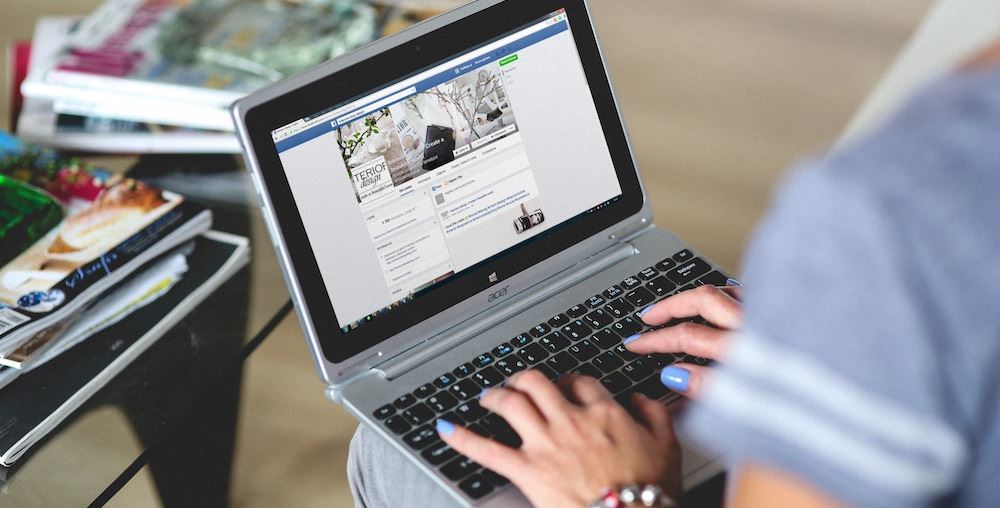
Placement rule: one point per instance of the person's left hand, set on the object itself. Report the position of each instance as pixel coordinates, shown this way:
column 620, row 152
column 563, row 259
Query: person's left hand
column 574, row 445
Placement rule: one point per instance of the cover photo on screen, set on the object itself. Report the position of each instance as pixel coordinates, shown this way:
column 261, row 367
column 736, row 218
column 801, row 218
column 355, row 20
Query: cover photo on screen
column 425, row 131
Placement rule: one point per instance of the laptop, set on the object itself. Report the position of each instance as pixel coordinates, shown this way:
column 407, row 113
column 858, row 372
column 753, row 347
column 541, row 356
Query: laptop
column 454, row 204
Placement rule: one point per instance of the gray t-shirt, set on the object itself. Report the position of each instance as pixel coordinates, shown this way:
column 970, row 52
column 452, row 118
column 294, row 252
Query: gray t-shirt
column 870, row 361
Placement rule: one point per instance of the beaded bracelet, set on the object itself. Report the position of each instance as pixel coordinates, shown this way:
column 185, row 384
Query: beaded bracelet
column 650, row 495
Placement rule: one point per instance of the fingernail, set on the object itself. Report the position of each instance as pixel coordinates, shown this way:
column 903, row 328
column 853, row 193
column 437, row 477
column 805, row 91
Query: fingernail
column 632, row 338
column 647, row 309
column 444, row 427
column 733, row 282
column 675, row 378
column 482, row 393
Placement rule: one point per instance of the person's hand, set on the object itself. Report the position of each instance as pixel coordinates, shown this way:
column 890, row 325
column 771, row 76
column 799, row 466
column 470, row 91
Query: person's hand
column 574, row 444
column 719, row 306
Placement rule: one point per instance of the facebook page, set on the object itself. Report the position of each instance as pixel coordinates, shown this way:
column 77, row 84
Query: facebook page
column 413, row 184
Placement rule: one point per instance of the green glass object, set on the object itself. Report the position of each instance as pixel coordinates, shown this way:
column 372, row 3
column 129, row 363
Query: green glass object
column 26, row 215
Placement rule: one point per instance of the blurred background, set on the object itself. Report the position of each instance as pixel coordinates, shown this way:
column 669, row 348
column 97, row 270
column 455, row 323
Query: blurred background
column 720, row 98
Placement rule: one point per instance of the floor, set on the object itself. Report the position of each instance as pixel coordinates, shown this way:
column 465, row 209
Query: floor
column 721, row 96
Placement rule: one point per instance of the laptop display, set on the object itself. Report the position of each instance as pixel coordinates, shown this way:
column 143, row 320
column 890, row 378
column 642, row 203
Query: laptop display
column 405, row 188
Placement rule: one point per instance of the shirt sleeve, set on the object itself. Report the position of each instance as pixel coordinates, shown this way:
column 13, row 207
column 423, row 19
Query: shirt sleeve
column 840, row 374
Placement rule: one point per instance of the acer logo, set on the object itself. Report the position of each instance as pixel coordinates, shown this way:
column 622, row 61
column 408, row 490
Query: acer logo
column 499, row 294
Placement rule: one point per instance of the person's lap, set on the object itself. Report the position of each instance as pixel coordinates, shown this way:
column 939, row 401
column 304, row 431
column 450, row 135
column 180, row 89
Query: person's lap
column 381, row 476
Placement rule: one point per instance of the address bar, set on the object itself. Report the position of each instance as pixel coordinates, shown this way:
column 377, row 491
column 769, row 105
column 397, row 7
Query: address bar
column 398, row 96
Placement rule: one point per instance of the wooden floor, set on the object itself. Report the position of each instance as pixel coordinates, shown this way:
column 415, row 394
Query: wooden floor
column 720, row 97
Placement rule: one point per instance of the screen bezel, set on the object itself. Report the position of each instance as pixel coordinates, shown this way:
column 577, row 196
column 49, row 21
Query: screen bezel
column 393, row 65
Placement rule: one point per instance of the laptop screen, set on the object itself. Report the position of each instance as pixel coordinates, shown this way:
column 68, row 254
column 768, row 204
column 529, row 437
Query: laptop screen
column 406, row 187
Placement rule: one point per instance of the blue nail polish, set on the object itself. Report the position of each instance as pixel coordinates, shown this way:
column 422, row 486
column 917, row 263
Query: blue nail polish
column 647, row 309
column 675, row 378
column 733, row 282
column 631, row 338
column 444, row 427
column 483, row 393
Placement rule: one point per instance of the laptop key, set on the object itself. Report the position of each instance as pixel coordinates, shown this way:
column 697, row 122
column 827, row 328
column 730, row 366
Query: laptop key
column 502, row 350
column 660, row 360
column 683, row 256
column 665, row 265
column 488, row 377
column 463, row 370
column 618, row 308
column 425, row 390
column 404, row 401
column 638, row 370
column 451, row 416
column 576, row 330
column 689, row 271
column 459, row 468
column 613, row 292
column 532, row 353
column 397, row 424
column 384, row 412
column 476, row 486
column 598, row 319
column 595, row 301
column 652, row 387
column 495, row 478
column 576, row 311
column 470, row 411
column 539, row 330
column 478, row 429
column 624, row 353
column 587, row 369
column 631, row 283
column 606, row 339
column 648, row 273
column 418, row 414
column 584, row 350
column 444, row 380
column 626, row 327
column 509, row 366
column 483, row 360
column 441, row 402
column 712, row 279
column 545, row 369
column 661, row 286
column 640, row 297
column 615, row 382
column 558, row 321
column 465, row 389
column 521, row 340
column 562, row 362
column 607, row 361
column 421, row 438
column 494, row 424
column 438, row 454
column 554, row 343
column 509, row 438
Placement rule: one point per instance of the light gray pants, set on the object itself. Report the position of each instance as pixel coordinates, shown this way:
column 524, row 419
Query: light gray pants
column 380, row 476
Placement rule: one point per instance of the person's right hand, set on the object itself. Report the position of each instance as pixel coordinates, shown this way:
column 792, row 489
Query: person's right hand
column 720, row 306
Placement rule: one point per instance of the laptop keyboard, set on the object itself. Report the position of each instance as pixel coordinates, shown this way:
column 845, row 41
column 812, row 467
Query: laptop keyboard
column 586, row 339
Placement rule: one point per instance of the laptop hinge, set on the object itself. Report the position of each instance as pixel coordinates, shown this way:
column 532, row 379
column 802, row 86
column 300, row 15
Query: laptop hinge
column 409, row 359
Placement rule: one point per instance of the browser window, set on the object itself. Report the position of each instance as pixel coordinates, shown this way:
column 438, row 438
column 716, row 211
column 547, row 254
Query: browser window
column 405, row 188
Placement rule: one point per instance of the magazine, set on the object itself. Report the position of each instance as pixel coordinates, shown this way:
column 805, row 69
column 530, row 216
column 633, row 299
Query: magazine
column 38, row 398
column 70, row 232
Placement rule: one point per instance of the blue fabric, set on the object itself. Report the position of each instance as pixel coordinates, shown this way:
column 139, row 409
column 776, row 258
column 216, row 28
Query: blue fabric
column 871, row 353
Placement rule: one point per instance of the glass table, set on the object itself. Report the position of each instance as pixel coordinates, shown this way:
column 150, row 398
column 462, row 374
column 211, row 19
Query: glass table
column 174, row 408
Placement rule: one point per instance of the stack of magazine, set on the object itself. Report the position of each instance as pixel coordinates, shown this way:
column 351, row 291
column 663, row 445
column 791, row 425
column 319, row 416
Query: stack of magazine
column 147, row 76
column 80, row 250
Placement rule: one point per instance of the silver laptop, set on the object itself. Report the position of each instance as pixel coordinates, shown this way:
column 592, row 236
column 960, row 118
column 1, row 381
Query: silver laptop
column 454, row 204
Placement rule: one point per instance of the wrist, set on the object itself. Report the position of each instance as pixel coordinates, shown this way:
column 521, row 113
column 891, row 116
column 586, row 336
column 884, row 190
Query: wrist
column 633, row 495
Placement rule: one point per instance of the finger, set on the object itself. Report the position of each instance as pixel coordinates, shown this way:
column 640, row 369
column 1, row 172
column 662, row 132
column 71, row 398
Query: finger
column 709, row 302
column 734, row 291
column 690, row 338
column 584, row 390
column 544, row 394
column 516, row 408
column 686, row 378
column 654, row 415
column 488, row 453
column 989, row 56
